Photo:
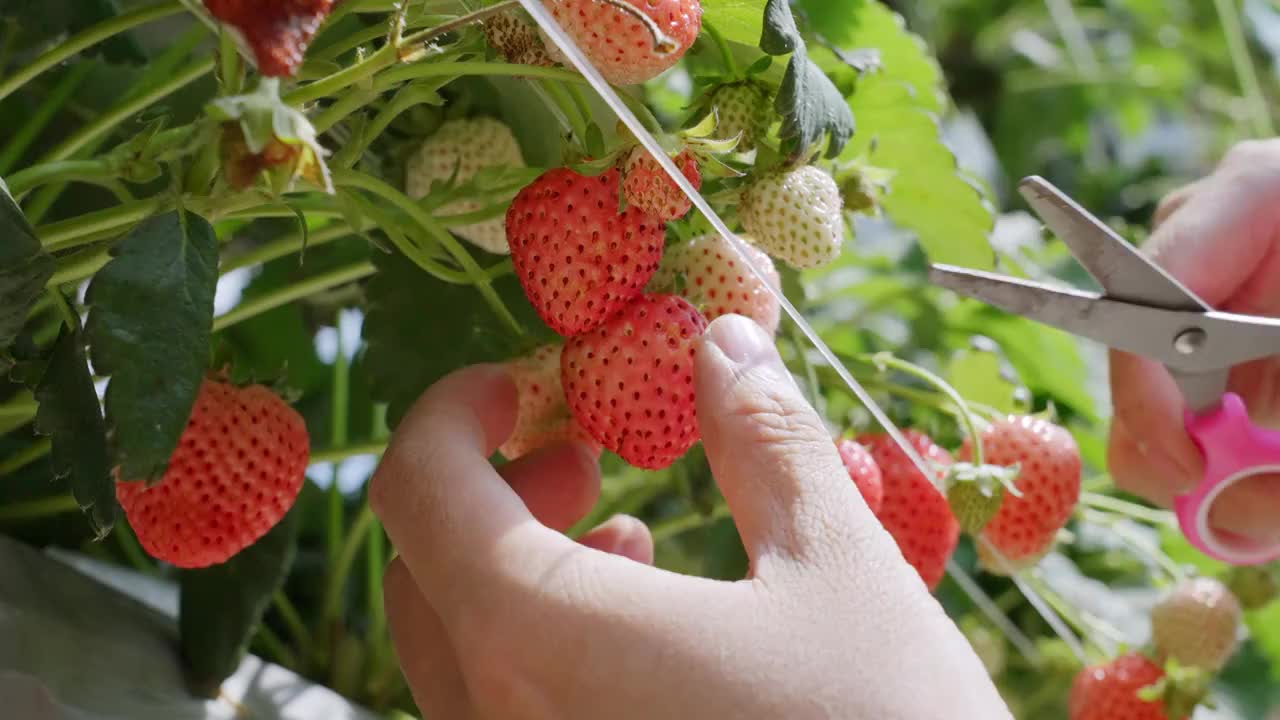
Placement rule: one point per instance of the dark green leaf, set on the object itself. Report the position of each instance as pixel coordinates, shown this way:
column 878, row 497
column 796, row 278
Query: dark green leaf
column 24, row 267
column 780, row 34
column 70, row 413
column 150, row 317
column 221, row 606
column 419, row 329
column 811, row 108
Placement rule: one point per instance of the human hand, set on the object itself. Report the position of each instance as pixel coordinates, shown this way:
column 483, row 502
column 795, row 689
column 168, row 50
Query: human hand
column 1220, row 236
column 496, row 614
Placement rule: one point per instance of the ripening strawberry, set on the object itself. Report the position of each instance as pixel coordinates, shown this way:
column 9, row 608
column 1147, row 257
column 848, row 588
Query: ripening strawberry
column 516, row 39
column 1025, row 527
column 715, row 281
column 630, row 381
column 743, row 110
column 278, row 32
column 457, row 151
column 543, row 418
column 648, row 187
column 579, row 260
column 1197, row 624
column 619, row 45
column 796, row 216
column 915, row 512
column 1110, row 691
column 237, row 470
column 863, row 471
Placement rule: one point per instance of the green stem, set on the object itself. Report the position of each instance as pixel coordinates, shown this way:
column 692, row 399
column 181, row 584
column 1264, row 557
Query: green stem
column 669, row 529
column 88, row 38
column 66, row 233
column 22, row 407
column 1131, row 510
column 965, row 415
column 339, row 110
column 1139, row 543
column 132, row 549
column 229, row 64
column 293, row 622
column 286, row 295
column 338, row 436
column 345, row 558
column 275, row 648
column 289, row 245
column 726, row 54
column 36, row 509
column 108, row 122
column 375, row 564
column 68, row 315
column 338, row 454
column 25, row 456
column 1229, row 17
column 417, row 71
column 24, row 180
column 45, row 112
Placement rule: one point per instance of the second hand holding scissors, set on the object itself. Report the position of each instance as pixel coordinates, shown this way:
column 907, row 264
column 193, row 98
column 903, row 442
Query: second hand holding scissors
column 1145, row 311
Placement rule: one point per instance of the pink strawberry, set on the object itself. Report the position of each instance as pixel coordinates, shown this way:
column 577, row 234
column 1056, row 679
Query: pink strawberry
column 715, row 281
column 618, row 43
column 236, row 472
column 915, row 512
column 1197, row 624
column 544, row 418
column 648, row 187
column 580, row 260
column 1025, row 527
column 630, row 381
column 1111, row 691
column 864, row 472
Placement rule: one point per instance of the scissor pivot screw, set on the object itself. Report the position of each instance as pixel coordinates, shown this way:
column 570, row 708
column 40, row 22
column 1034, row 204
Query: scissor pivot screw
column 1188, row 342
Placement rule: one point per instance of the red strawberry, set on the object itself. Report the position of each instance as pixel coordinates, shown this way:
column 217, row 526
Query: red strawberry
column 544, row 417
column 579, row 259
column 278, row 32
column 618, row 43
column 649, row 188
column 864, row 472
column 1197, row 624
column 915, row 512
column 237, row 470
column 1024, row 528
column 1110, row 691
column 716, row 282
column 630, row 381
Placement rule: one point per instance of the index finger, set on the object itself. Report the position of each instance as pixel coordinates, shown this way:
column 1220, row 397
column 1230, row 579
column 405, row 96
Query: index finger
column 451, row 516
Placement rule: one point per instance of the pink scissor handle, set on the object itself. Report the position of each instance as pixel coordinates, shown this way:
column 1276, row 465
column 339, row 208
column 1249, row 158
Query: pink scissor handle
column 1234, row 449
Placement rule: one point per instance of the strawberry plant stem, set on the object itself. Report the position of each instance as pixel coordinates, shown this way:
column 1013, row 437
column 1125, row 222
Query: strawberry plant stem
column 726, row 53
column 1242, row 62
column 965, row 414
column 45, row 112
column 679, row 525
column 92, row 171
column 1131, row 510
column 341, row 569
column 35, row 509
column 290, row 244
column 63, row 51
column 338, row 436
column 338, row 454
column 132, row 549
column 292, row 622
column 297, row 291
column 25, row 456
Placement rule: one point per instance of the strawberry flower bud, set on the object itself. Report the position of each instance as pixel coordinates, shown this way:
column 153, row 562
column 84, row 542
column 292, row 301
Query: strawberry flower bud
column 262, row 133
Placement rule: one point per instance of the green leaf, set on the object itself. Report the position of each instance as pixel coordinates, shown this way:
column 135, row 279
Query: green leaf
column 70, row 413
column 978, row 377
column 221, row 606
column 780, row 34
column 1264, row 625
column 150, row 317
column 738, row 21
column 25, row 268
column 419, row 329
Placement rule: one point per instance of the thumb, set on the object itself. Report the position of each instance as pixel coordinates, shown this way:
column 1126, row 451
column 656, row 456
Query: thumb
column 775, row 462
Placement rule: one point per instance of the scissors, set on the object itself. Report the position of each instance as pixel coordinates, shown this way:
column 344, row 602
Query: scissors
column 1144, row 311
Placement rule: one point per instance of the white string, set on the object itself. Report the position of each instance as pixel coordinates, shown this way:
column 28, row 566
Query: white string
column 571, row 51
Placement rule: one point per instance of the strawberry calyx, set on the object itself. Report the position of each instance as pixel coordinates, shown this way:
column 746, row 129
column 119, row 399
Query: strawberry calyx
column 1182, row 689
column 975, row 492
column 260, row 133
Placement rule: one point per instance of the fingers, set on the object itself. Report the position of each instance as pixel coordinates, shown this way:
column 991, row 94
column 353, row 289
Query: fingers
column 1150, row 453
column 622, row 535
column 774, row 460
column 426, row 655
column 1250, row 508
column 559, row 484
column 460, row 528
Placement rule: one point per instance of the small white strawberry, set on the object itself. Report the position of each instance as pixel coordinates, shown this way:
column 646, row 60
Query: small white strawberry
column 459, row 150
column 743, row 110
column 1197, row 624
column 796, row 216
column 544, row 417
column 716, row 282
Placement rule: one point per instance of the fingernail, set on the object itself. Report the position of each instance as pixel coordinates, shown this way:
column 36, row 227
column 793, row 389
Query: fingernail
column 742, row 340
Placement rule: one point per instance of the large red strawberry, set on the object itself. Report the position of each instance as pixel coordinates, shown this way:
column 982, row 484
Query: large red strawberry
column 864, row 472
column 618, row 43
column 1197, row 624
column 650, row 188
column 543, row 418
column 1111, row 691
column 716, row 282
column 579, row 259
column 1025, row 527
column 630, row 381
column 237, row 470
column 278, row 32
column 915, row 512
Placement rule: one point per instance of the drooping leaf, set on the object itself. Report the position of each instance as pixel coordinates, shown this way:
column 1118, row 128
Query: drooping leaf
column 69, row 412
column 150, row 317
column 221, row 606
column 419, row 329
column 811, row 106
column 24, row 267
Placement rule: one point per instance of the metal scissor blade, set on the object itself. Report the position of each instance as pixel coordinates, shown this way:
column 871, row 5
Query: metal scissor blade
column 1123, row 272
